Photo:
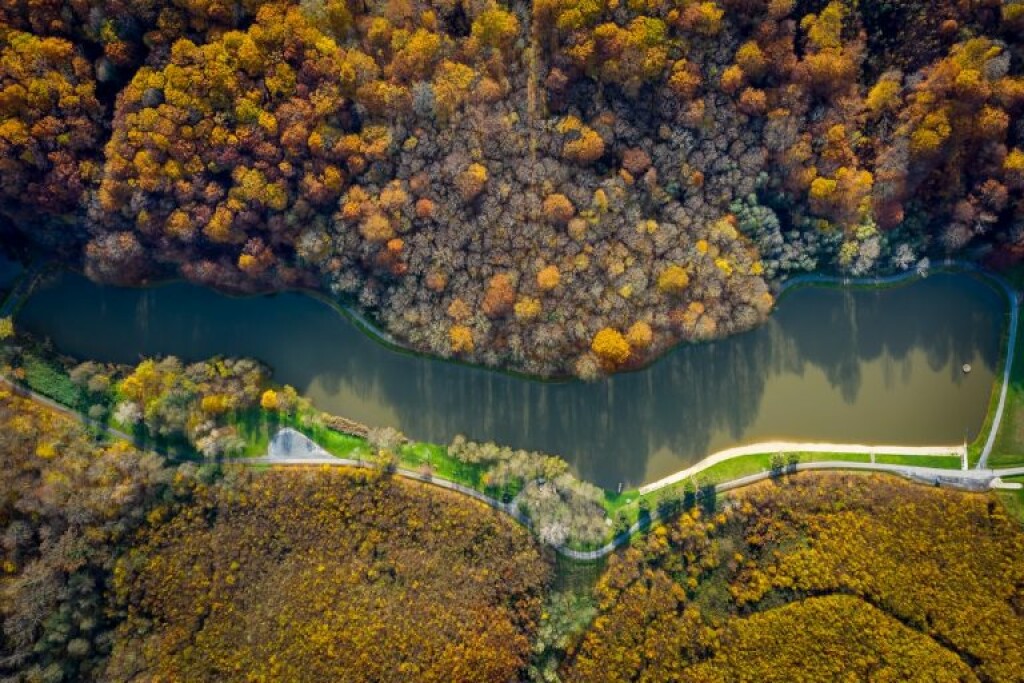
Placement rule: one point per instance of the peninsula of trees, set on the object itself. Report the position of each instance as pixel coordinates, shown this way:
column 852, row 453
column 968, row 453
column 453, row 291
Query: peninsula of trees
column 562, row 187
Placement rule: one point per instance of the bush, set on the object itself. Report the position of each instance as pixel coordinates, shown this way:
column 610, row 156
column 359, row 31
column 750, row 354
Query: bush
column 48, row 379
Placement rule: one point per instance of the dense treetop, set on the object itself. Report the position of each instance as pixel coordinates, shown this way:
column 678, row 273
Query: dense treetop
column 864, row 644
column 51, row 126
column 822, row 574
column 67, row 507
column 329, row 575
column 565, row 187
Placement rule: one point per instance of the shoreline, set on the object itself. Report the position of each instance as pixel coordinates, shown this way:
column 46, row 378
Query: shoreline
column 784, row 447
column 992, row 420
column 971, row 480
column 976, row 478
column 362, row 320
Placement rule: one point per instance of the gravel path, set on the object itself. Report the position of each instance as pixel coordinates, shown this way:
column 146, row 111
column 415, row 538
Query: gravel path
column 290, row 447
column 800, row 447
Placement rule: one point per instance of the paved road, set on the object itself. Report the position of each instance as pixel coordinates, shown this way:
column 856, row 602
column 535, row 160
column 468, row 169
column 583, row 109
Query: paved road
column 798, row 447
column 290, row 447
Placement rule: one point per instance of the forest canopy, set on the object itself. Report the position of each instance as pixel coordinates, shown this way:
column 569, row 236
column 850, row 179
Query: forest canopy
column 560, row 187
column 328, row 575
column 117, row 566
column 827, row 575
column 68, row 506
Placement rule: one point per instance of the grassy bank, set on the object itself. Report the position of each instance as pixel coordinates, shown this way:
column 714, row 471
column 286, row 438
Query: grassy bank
column 630, row 506
column 1009, row 444
column 1014, row 500
column 415, row 455
column 43, row 371
column 975, row 448
column 945, row 462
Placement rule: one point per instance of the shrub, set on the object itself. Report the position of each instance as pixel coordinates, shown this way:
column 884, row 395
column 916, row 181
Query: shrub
column 471, row 182
column 640, row 335
column 49, row 380
column 558, row 209
column 611, row 347
column 548, row 278
column 461, row 339
column 673, row 280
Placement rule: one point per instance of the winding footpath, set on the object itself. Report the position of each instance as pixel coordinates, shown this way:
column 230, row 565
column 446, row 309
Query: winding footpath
column 305, row 452
column 21, row 391
column 289, row 447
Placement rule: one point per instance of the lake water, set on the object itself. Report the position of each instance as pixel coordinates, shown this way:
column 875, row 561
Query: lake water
column 9, row 271
column 859, row 366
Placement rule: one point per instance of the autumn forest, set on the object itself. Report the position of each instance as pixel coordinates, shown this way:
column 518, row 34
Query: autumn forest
column 557, row 190
column 567, row 187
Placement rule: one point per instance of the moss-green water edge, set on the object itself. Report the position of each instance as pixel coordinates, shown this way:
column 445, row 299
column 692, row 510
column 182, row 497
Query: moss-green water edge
column 375, row 332
column 625, row 508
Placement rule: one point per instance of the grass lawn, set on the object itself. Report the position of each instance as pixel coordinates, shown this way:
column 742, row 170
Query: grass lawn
column 616, row 502
column 626, row 508
column 1014, row 500
column 49, row 380
column 415, row 456
column 947, row 462
column 344, row 445
column 1009, row 444
column 255, row 431
column 752, row 464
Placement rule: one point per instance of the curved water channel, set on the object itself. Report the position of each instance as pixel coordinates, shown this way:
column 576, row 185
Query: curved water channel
column 873, row 366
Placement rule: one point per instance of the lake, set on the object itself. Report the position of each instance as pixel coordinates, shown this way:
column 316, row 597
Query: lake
column 9, row 271
column 874, row 366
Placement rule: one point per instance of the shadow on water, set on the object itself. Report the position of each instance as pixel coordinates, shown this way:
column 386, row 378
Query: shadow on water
column 10, row 270
column 874, row 366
